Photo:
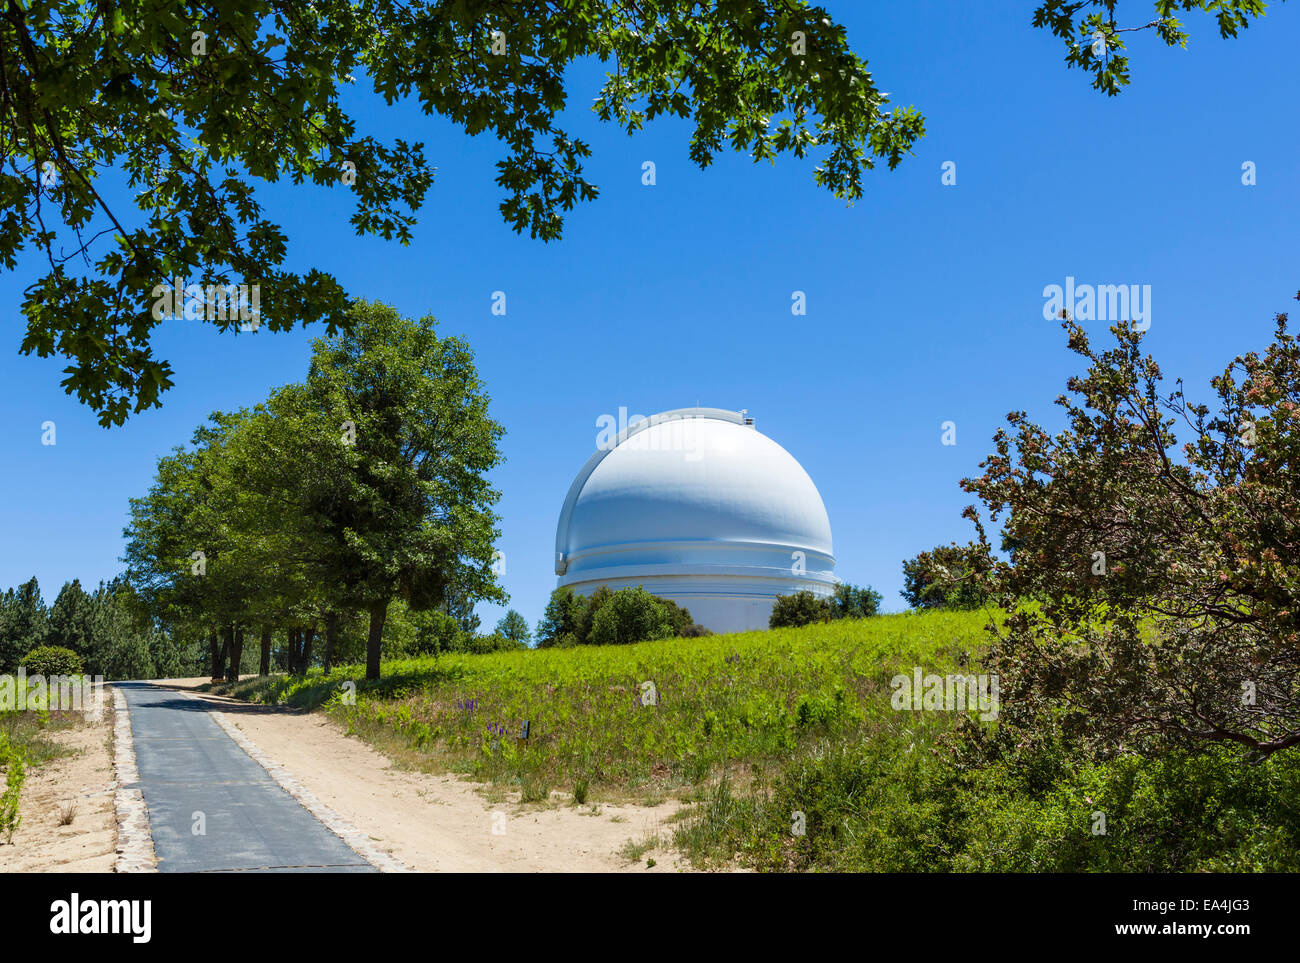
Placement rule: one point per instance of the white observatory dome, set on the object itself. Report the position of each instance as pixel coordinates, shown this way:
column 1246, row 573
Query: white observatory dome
column 700, row 508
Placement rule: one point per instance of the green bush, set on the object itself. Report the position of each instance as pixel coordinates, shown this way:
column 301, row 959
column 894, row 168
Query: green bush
column 1178, row 812
column 13, row 763
column 436, row 632
column 900, row 803
column 631, row 615
column 800, row 609
column 854, row 601
column 806, row 608
column 483, row 644
column 50, row 660
column 941, row 579
column 612, row 618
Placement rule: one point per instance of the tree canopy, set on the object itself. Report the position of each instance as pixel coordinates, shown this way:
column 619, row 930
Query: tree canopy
column 1094, row 37
column 194, row 105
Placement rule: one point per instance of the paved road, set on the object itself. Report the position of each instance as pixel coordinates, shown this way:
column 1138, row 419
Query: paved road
column 188, row 765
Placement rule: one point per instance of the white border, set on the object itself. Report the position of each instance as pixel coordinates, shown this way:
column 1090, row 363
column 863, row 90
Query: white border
column 134, row 845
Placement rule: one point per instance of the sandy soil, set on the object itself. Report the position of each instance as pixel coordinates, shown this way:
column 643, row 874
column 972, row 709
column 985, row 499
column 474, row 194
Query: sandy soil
column 83, row 779
column 442, row 823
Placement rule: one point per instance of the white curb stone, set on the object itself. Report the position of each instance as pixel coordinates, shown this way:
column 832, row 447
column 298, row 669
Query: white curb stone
column 134, row 841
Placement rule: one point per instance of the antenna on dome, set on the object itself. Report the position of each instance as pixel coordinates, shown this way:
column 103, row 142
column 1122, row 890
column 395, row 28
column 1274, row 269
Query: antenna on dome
column 745, row 419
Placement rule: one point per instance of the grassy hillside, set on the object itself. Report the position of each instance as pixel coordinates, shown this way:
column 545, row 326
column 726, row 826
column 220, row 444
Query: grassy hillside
column 723, row 702
column 787, row 747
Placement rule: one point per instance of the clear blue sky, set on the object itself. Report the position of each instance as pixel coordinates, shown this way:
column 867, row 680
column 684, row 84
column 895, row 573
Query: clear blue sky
column 924, row 301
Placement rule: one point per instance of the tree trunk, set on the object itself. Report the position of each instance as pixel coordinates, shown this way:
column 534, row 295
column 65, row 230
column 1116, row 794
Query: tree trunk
column 214, row 655
column 264, row 666
column 375, row 640
column 331, row 637
column 295, row 635
column 307, row 638
column 227, row 642
column 236, row 655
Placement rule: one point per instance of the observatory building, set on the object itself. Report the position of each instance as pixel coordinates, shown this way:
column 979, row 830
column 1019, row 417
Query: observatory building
column 698, row 507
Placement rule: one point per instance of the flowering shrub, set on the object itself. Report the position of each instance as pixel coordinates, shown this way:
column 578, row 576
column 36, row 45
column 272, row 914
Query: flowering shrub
column 1164, row 584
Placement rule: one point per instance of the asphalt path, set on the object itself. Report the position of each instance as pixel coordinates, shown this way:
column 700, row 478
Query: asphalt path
column 211, row 807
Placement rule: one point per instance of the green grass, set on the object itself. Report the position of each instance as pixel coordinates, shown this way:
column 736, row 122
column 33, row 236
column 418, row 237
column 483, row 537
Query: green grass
column 789, row 755
column 29, row 732
column 634, row 850
column 725, row 704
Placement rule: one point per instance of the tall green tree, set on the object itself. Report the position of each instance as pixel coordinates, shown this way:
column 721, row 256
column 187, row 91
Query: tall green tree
column 184, row 556
column 284, row 465
column 362, row 485
column 70, row 621
column 514, row 627
column 850, row 601
column 123, row 645
column 413, row 510
column 562, row 622
column 24, row 623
